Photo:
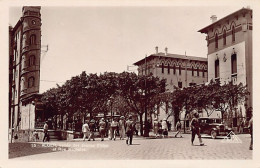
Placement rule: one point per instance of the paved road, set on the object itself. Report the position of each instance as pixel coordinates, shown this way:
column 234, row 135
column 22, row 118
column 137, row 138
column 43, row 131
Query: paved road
column 168, row 148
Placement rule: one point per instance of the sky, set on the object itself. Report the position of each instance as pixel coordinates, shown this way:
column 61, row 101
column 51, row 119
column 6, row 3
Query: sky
column 97, row 39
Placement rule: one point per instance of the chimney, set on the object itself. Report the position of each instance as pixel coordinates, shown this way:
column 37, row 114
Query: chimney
column 156, row 50
column 166, row 50
column 213, row 18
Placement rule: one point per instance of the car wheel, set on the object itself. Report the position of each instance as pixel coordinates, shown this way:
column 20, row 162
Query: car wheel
column 213, row 134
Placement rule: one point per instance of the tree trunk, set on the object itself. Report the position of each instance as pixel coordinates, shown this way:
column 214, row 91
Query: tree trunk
column 141, row 124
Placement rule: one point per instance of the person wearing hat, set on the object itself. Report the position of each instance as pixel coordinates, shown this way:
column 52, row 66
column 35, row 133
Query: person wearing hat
column 195, row 129
column 121, row 125
column 102, row 128
column 129, row 130
column 92, row 130
column 85, row 130
column 155, row 127
column 45, row 131
column 165, row 128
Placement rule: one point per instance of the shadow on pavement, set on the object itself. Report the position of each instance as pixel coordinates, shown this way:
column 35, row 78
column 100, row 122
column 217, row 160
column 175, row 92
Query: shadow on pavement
column 24, row 149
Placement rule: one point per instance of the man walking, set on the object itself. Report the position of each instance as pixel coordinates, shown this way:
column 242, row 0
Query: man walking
column 121, row 125
column 85, row 130
column 178, row 127
column 195, row 129
column 102, row 128
column 92, row 130
column 251, row 132
column 155, row 127
column 129, row 130
column 45, row 131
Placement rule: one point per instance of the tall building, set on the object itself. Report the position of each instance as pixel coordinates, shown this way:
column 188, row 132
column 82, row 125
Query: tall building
column 229, row 42
column 24, row 70
column 178, row 70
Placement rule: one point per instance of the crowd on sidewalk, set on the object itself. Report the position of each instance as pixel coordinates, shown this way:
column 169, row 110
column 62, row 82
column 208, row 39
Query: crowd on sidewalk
column 126, row 128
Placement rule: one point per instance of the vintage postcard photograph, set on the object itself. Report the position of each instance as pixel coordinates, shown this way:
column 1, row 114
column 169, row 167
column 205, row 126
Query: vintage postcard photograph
column 165, row 83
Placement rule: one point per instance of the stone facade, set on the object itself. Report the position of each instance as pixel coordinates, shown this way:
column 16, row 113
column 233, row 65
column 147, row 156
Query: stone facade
column 24, row 69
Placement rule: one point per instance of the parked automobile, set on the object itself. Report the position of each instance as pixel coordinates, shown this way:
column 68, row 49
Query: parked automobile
column 213, row 127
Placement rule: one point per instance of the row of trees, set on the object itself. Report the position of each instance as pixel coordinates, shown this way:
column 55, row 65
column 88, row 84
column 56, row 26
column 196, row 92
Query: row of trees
column 87, row 95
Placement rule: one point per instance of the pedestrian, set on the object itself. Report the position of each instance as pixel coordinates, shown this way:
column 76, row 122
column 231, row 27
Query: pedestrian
column 251, row 132
column 155, row 127
column 45, row 131
column 129, row 130
column 92, row 130
column 121, row 125
column 102, row 128
column 85, row 130
column 109, row 129
column 160, row 130
column 242, row 125
column 195, row 129
column 137, row 127
column 35, row 135
column 165, row 128
column 178, row 127
column 114, row 126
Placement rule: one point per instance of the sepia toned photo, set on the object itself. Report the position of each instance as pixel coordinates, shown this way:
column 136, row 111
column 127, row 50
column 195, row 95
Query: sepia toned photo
column 130, row 82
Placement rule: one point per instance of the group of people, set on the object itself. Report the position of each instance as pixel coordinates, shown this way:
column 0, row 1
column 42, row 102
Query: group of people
column 110, row 129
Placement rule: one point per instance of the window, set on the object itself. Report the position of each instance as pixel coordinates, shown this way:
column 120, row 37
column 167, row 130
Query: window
column 198, row 71
column 32, row 39
column 234, row 63
column 217, row 68
column 224, row 37
column 168, row 68
column 32, row 60
column 31, row 82
column 203, row 73
column 192, row 71
column 180, row 84
column 174, row 69
column 216, row 40
column 162, row 68
column 233, row 34
column 180, row 69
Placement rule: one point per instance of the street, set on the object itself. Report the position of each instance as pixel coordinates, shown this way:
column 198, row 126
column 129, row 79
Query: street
column 144, row 149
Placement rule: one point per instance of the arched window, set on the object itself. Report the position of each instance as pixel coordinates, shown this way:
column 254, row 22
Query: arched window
column 31, row 82
column 198, row 72
column 162, row 68
column 216, row 40
column 168, row 68
column 192, row 71
column 234, row 63
column 174, row 69
column 217, row 68
column 203, row 73
column 224, row 37
column 233, row 34
column 32, row 39
column 180, row 69
column 32, row 60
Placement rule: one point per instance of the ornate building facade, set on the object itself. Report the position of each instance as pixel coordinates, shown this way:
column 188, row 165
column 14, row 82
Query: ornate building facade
column 24, row 70
column 229, row 43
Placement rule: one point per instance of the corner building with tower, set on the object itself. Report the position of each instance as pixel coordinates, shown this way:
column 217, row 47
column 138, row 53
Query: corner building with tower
column 24, row 73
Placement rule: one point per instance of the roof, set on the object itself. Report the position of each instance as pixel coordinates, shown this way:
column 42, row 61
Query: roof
column 176, row 56
column 205, row 29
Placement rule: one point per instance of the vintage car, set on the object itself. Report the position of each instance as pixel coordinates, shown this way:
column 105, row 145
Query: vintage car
column 213, row 127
